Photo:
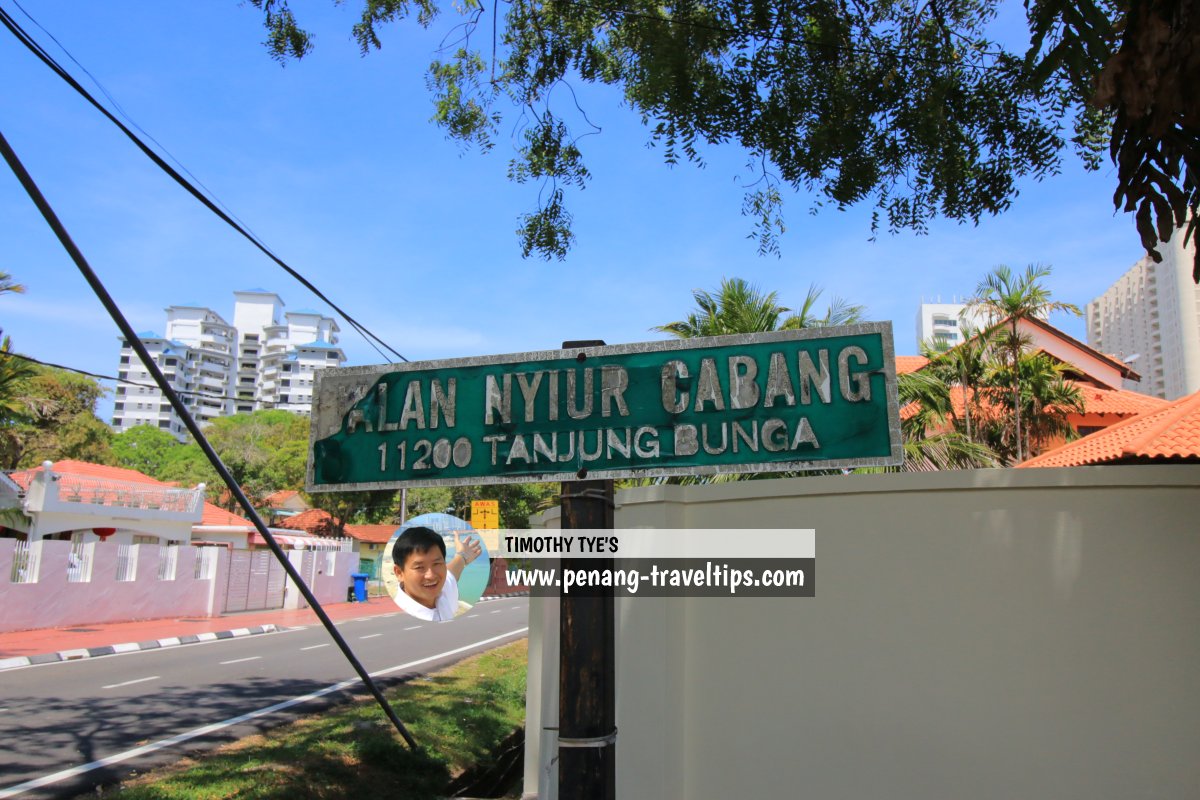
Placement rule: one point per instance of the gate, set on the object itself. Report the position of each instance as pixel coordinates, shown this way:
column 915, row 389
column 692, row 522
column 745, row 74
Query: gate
column 256, row 581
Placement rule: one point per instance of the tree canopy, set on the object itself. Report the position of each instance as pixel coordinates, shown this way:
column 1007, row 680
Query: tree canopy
column 738, row 306
column 55, row 419
column 903, row 104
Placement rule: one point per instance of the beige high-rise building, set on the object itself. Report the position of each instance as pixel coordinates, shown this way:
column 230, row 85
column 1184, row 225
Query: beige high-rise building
column 1150, row 318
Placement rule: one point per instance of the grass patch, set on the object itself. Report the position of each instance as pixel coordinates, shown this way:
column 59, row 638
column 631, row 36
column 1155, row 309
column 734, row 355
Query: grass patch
column 458, row 716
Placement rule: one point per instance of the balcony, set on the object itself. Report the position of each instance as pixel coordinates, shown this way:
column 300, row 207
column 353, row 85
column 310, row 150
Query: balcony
column 83, row 494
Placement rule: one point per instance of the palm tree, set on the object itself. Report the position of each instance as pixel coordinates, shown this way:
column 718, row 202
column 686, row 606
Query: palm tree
column 1007, row 297
column 740, row 307
column 7, row 284
column 1047, row 397
column 928, row 445
column 963, row 365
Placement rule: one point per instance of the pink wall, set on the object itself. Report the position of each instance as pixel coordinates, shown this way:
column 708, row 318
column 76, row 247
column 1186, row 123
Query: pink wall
column 53, row 601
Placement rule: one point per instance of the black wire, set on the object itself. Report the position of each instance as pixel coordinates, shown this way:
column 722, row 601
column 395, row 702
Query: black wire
column 235, row 489
column 126, row 115
column 49, row 61
column 97, row 375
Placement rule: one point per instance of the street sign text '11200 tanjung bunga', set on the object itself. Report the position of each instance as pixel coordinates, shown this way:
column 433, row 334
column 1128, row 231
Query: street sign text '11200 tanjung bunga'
column 790, row 400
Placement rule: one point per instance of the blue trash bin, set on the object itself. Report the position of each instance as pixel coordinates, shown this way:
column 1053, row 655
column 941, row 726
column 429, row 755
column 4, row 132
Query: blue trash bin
column 360, row 586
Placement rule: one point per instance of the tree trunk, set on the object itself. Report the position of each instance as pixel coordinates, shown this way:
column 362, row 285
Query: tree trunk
column 1017, row 390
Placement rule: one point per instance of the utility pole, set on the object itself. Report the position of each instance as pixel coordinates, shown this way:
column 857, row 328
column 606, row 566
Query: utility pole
column 587, row 732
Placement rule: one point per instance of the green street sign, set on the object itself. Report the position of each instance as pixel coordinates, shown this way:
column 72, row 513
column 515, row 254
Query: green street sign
column 789, row 400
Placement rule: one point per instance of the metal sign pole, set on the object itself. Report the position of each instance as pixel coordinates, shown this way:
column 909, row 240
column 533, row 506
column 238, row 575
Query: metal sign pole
column 587, row 734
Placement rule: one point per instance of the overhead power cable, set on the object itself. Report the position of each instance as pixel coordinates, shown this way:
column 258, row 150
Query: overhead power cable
column 96, row 375
column 185, row 415
column 31, row 44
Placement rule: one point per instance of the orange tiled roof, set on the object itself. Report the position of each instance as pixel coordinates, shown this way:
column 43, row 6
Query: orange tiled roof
column 280, row 497
column 311, row 520
column 1169, row 434
column 215, row 515
column 1121, row 402
column 1096, row 400
column 374, row 534
column 905, row 364
column 69, row 467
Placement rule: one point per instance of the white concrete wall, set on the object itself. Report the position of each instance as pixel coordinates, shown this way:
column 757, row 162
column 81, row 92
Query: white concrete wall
column 985, row 634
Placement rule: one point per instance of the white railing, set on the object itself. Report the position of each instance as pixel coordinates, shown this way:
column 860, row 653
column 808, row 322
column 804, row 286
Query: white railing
column 80, row 561
column 127, row 562
column 206, row 563
column 127, row 494
column 27, row 560
column 168, row 560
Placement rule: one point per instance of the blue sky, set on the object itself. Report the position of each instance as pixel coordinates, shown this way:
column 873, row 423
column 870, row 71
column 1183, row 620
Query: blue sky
column 334, row 163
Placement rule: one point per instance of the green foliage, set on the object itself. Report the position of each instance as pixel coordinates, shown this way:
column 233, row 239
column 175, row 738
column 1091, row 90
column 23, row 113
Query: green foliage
column 52, row 417
column 261, row 449
column 740, row 307
column 518, row 501
column 1007, row 297
column 459, row 717
column 145, row 448
column 1131, row 70
column 901, row 104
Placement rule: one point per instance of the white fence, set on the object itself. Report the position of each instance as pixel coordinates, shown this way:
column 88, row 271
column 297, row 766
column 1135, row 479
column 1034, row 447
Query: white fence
column 80, row 561
column 127, row 558
column 206, row 563
column 26, row 562
column 168, row 560
column 127, row 494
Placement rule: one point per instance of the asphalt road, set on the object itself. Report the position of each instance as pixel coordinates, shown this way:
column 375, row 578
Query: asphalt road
column 69, row 727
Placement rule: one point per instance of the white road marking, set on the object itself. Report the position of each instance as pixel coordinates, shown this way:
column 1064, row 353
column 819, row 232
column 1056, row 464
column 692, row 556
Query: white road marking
column 472, row 616
column 413, row 627
column 122, row 652
column 240, row 660
column 130, row 683
column 315, row 646
column 498, row 610
column 371, row 636
column 153, row 747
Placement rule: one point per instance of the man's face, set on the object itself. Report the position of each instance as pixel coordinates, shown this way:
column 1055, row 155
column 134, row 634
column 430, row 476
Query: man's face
column 423, row 575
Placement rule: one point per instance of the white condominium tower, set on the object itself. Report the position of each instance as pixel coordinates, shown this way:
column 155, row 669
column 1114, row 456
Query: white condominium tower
column 942, row 324
column 265, row 359
column 1150, row 318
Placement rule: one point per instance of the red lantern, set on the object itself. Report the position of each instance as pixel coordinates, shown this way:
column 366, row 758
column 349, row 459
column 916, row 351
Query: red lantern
column 104, row 533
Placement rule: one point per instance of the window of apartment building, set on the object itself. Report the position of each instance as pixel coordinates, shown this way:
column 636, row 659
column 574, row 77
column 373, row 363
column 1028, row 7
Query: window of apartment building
column 124, row 359
column 331, row 355
column 171, row 362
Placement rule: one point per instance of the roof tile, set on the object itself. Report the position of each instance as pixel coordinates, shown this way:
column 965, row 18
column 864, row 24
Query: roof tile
column 1171, row 433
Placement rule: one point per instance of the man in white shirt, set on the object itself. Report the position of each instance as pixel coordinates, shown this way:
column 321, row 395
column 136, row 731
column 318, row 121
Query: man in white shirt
column 428, row 584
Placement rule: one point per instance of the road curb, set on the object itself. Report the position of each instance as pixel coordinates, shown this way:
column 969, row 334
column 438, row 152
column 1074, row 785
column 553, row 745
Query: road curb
column 130, row 647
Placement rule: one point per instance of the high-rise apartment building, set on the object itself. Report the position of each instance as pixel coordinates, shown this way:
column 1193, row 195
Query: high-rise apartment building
column 266, row 359
column 943, row 323
column 1150, row 318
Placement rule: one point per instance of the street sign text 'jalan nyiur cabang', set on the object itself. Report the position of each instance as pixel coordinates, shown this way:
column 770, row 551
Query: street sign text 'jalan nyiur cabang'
column 812, row 399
